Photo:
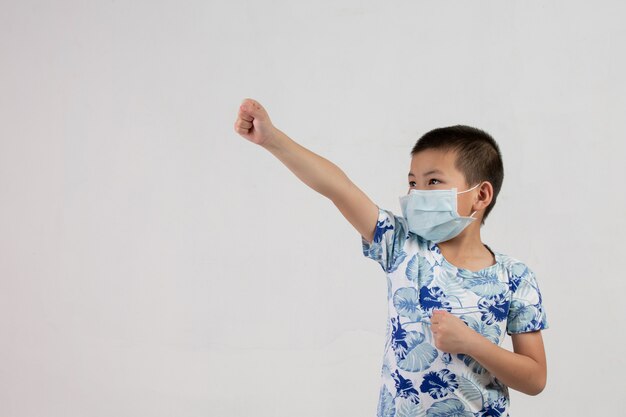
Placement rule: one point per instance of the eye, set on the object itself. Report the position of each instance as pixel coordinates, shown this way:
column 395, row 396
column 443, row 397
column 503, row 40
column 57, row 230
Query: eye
column 411, row 183
column 432, row 183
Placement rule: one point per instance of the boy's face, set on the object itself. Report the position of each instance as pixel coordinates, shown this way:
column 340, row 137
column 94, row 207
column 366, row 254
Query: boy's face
column 433, row 169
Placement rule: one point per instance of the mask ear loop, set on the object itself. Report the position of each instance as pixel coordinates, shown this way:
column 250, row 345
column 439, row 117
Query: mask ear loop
column 471, row 215
column 470, row 189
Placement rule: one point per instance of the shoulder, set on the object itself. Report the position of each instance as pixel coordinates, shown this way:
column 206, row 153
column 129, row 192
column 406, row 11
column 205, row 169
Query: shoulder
column 512, row 265
column 523, row 284
column 526, row 312
column 515, row 269
column 390, row 224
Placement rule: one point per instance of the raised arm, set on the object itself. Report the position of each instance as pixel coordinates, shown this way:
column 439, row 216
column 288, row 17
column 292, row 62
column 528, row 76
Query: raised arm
column 254, row 124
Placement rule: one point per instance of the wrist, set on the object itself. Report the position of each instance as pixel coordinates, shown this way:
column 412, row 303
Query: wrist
column 474, row 343
column 274, row 139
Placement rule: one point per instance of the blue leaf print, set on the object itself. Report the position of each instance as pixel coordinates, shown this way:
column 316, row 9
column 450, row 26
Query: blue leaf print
column 406, row 302
column 496, row 390
column 491, row 332
column 485, row 284
column 514, row 283
column 409, row 409
column 433, row 298
column 398, row 341
column 446, row 358
column 494, row 308
column 439, row 384
column 411, row 353
column 450, row 407
column 522, row 317
column 494, row 409
column 385, row 371
column 386, row 406
column 528, row 291
column 375, row 252
column 469, row 390
column 397, row 261
column 445, row 277
column 405, row 389
column 471, row 363
column 518, row 270
column 419, row 271
column 381, row 227
column 420, row 355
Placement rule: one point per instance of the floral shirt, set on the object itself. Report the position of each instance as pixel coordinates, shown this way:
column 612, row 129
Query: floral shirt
column 417, row 378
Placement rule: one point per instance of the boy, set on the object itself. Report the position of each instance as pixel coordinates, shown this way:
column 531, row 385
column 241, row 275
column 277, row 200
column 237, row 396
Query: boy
column 451, row 297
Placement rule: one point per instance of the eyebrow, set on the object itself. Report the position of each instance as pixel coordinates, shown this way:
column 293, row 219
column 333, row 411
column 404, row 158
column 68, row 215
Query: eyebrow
column 434, row 171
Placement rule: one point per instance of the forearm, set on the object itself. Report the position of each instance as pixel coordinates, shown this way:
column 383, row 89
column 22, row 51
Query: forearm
column 315, row 171
column 518, row 372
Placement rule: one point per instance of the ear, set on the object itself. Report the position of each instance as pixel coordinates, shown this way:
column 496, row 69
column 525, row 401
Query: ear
column 484, row 196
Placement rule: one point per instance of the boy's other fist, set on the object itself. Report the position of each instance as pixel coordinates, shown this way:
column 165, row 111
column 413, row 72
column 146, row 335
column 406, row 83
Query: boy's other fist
column 253, row 122
column 451, row 334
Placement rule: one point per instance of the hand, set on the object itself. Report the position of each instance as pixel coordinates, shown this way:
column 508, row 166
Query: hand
column 451, row 334
column 253, row 122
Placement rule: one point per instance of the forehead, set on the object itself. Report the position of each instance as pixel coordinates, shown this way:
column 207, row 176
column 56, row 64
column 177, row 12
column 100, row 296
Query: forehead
column 429, row 160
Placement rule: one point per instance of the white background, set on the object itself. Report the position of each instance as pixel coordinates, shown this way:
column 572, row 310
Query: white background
column 155, row 263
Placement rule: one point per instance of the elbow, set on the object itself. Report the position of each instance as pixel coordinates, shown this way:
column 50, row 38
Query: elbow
column 537, row 388
column 538, row 380
column 534, row 383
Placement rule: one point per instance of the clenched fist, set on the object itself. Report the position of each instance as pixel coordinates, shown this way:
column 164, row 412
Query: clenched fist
column 253, row 122
column 451, row 334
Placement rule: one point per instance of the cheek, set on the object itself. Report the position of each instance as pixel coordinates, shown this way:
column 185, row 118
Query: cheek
column 463, row 206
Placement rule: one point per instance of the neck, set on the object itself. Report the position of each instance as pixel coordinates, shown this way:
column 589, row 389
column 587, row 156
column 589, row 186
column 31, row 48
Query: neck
column 466, row 245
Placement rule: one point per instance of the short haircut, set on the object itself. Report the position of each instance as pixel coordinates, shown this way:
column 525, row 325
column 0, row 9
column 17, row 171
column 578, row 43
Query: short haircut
column 478, row 156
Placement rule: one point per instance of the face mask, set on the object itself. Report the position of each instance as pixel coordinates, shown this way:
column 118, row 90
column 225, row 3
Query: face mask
column 432, row 214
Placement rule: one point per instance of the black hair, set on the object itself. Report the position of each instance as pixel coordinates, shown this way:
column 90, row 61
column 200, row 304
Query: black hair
column 478, row 156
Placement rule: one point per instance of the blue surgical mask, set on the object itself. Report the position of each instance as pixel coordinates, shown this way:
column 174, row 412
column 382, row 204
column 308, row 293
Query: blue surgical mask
column 433, row 215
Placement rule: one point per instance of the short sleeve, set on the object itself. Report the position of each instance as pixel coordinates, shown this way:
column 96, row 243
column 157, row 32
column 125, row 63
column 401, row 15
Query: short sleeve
column 389, row 238
column 526, row 312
